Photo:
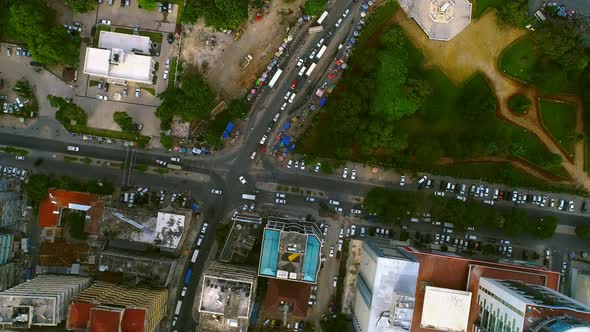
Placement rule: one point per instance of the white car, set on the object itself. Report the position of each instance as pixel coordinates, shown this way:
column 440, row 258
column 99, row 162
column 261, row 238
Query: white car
column 338, row 209
column 280, row 201
column 335, row 281
column 280, row 195
column 338, row 23
column 353, row 174
column 284, row 106
column 439, row 193
column 161, row 162
column 73, row 148
column 137, row 93
column 488, row 202
column 402, row 180
column 216, row 191
column 19, row 157
column 303, row 165
column 310, row 199
column 175, row 159
column 289, row 163
column 166, row 74
column 287, row 95
column 317, row 167
column 102, row 97
column 183, row 291
column 204, row 229
column 352, row 230
column 355, row 211
column 276, row 117
column 263, row 139
column 571, row 206
column 331, row 251
column 345, row 173
column 242, row 179
column 299, row 63
column 346, row 12
column 333, row 202
column 253, row 155
column 105, row 22
column 320, row 43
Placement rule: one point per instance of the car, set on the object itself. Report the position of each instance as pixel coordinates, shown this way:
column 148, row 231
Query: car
column 353, row 174
column 335, row 281
column 495, row 194
column 242, row 179
column 204, row 228
column 310, row 199
column 166, row 74
column 331, row 251
column 488, row 202
column 161, row 162
column 18, row 51
column 263, row 139
column 317, row 167
column 253, row 155
column 346, row 12
column 287, row 95
column 169, row 7
column 183, row 291
column 175, row 159
column 338, row 23
column 216, row 191
column 571, row 206
column 280, row 195
column 355, row 211
column 338, row 209
column 170, row 38
column 289, row 163
column 104, row 21
column 137, row 93
column 341, row 234
column 402, row 180
column 73, row 148
column 294, row 84
column 352, row 230
column 280, row 201
column 544, row 201
column 313, row 53
column 19, row 157
column 102, row 97
column 439, row 193
column 276, row 117
column 284, row 106
column 125, row 92
column 345, row 173
column 552, row 203
column 514, row 196
column 333, row 202
column 461, row 198
column 302, row 165
column 299, row 63
column 504, row 242
column 296, row 163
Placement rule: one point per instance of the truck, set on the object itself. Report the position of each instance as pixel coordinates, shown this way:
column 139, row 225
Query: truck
column 246, row 61
column 174, row 166
column 322, row 17
column 275, row 78
column 310, row 70
column 249, row 197
column 178, row 306
column 316, row 29
column 187, row 276
column 321, row 52
column 195, row 255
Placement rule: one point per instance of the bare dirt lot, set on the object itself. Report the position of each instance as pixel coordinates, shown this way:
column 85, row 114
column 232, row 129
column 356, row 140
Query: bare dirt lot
column 220, row 62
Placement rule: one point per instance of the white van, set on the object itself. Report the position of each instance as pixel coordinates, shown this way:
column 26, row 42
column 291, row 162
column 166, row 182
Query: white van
column 302, row 71
column 200, row 240
column 292, row 98
column 195, row 255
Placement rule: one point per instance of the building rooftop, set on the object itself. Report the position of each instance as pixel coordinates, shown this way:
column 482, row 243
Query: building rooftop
column 50, row 209
column 230, row 298
column 240, row 241
column 294, row 293
column 290, row 250
column 117, row 65
column 445, row 309
column 134, row 269
column 440, row 19
column 62, row 253
column 169, row 229
column 126, row 42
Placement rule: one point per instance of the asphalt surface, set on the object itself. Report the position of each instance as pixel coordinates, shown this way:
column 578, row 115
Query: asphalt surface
column 221, row 171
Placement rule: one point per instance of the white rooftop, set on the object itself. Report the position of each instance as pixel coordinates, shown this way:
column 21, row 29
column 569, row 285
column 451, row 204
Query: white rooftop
column 445, row 309
column 131, row 67
column 440, row 19
column 169, row 229
column 126, row 42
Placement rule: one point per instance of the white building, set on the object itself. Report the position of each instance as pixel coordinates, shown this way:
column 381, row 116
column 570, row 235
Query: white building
column 42, row 301
column 445, row 309
column 513, row 306
column 120, row 57
column 386, row 287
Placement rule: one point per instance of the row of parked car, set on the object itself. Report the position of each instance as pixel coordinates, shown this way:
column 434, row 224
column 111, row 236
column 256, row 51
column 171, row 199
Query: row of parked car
column 14, row 172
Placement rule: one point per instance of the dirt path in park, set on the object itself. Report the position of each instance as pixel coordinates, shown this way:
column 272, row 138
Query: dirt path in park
column 477, row 49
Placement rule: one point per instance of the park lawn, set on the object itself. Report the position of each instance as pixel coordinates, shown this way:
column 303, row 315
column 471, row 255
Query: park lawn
column 172, row 78
column 480, row 6
column 559, row 119
column 124, row 30
column 519, row 59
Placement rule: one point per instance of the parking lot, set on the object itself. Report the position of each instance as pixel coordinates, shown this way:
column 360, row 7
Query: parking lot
column 132, row 15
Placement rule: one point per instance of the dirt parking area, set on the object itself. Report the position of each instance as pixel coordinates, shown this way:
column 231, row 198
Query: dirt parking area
column 129, row 16
column 218, row 55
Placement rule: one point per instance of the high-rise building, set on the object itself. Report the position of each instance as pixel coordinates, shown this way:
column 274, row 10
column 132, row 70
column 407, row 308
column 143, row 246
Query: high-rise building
column 9, row 202
column 227, row 292
column 111, row 307
column 42, row 301
column 513, row 306
column 8, row 269
column 385, row 288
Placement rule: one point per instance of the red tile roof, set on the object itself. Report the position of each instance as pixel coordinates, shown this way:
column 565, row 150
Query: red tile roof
column 133, row 320
column 456, row 272
column 79, row 315
column 104, row 320
column 62, row 253
column 58, row 199
column 86, row 316
column 295, row 293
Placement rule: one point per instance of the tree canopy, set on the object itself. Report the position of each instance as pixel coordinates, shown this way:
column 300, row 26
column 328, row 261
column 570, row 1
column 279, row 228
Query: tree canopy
column 563, row 42
column 124, row 121
column 33, row 22
column 513, row 12
column 220, row 14
column 314, row 7
column 81, row 6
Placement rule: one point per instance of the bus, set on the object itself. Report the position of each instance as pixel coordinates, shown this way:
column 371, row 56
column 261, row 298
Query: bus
column 310, row 69
column 275, row 78
column 178, row 306
column 322, row 17
column 321, row 52
column 195, row 255
column 249, row 197
column 187, row 276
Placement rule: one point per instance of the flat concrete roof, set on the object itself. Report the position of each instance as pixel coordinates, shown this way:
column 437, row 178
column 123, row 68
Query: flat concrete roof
column 446, row 309
column 169, row 229
column 96, row 62
column 132, row 67
column 440, row 19
column 126, row 42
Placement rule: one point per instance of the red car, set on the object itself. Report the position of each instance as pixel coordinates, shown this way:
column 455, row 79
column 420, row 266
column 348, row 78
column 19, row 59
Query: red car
column 294, row 84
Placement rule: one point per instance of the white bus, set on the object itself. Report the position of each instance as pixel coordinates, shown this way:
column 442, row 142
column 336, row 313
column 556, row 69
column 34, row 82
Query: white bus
column 178, row 306
column 275, row 78
column 249, row 197
column 321, row 52
column 310, row 69
column 195, row 255
column 322, row 17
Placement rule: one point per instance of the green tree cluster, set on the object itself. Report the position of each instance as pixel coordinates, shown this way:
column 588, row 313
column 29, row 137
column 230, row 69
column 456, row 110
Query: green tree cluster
column 34, row 23
column 236, row 109
column 74, row 221
column 38, row 185
column 563, row 42
column 583, row 231
column 70, row 115
column 124, row 121
column 513, row 12
column 81, row 6
column 193, row 100
column 314, row 7
column 220, row 14
column 519, row 104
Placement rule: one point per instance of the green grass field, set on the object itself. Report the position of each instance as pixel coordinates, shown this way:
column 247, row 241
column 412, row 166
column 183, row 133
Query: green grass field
column 480, row 6
column 124, row 30
column 560, row 120
column 519, row 60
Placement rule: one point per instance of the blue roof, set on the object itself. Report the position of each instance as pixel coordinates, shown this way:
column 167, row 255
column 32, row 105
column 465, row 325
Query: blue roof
column 270, row 253
column 311, row 259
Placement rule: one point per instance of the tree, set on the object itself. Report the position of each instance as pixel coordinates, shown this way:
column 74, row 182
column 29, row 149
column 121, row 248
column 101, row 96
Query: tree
column 513, row 12
column 36, row 187
column 583, row 231
column 314, row 7
column 545, row 227
column 563, row 42
column 148, row 4
column 81, row 6
column 476, row 100
column 124, row 121
column 519, row 104
column 488, row 249
column 220, row 14
column 516, row 222
column 550, row 79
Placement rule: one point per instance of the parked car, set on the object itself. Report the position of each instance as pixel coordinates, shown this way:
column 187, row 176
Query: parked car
column 105, row 22
column 345, row 173
column 242, row 179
